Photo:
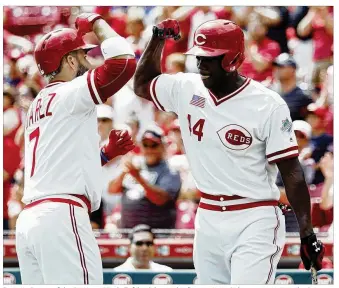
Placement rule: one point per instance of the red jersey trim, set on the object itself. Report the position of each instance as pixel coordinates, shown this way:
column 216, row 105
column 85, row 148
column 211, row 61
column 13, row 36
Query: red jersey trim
column 284, row 158
column 223, row 99
column 154, row 94
column 282, row 151
column 91, row 92
column 236, row 207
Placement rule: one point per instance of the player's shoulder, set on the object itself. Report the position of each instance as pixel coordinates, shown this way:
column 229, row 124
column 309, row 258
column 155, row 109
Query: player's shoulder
column 265, row 94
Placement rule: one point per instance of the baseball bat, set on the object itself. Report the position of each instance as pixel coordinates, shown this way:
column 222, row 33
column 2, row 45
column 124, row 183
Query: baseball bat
column 314, row 276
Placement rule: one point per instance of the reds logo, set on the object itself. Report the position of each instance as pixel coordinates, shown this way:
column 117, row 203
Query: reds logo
column 325, row 279
column 122, row 279
column 235, row 137
column 162, row 279
column 201, row 42
column 9, row 278
column 284, row 280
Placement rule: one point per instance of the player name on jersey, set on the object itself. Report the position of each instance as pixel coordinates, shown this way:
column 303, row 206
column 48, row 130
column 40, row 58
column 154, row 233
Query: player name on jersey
column 40, row 110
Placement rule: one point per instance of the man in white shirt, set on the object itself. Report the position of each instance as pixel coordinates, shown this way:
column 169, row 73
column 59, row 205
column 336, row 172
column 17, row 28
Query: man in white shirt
column 142, row 251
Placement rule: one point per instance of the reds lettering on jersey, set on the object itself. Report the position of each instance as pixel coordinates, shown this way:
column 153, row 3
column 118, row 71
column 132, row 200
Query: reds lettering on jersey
column 232, row 143
column 62, row 153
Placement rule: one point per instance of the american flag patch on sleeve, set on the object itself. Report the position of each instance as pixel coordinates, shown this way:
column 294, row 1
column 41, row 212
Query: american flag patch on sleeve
column 198, row 101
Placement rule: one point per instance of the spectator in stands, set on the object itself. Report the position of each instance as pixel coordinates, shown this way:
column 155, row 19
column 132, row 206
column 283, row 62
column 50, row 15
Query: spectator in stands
column 126, row 104
column 149, row 188
column 135, row 30
column 177, row 160
column 142, row 252
column 11, row 163
column 319, row 23
column 175, row 63
column 325, row 100
column 15, row 206
column 321, row 142
column 295, row 97
column 302, row 45
column 184, row 16
column 322, row 212
column 105, row 117
column 176, row 146
column 260, row 52
column 11, row 151
column 134, row 124
column 164, row 119
column 115, row 17
column 277, row 20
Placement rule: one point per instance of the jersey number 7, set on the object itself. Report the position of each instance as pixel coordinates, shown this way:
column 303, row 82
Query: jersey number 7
column 34, row 135
column 197, row 128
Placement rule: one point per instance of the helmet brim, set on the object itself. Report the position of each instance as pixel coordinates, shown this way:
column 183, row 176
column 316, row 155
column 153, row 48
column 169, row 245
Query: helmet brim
column 86, row 47
column 205, row 51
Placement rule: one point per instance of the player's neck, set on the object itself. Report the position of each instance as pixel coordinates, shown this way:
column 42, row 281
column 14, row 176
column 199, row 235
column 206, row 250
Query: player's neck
column 228, row 85
column 62, row 77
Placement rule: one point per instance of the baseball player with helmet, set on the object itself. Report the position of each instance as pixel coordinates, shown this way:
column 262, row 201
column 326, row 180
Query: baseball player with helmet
column 63, row 175
column 237, row 134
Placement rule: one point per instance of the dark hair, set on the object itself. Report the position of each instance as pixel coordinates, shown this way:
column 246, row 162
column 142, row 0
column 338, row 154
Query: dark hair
column 140, row 228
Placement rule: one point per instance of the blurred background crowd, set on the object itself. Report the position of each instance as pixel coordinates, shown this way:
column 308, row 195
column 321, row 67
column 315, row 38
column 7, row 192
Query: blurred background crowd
column 288, row 49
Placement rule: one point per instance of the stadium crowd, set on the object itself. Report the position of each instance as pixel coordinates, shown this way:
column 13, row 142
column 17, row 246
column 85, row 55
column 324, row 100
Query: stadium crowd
column 289, row 49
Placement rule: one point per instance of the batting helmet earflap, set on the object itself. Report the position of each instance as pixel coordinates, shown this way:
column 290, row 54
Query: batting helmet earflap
column 220, row 37
column 54, row 45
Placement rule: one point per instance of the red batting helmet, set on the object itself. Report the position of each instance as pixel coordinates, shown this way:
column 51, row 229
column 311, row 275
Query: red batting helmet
column 54, row 45
column 218, row 37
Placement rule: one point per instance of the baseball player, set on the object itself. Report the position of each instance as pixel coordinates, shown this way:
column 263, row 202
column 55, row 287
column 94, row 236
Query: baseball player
column 237, row 134
column 63, row 175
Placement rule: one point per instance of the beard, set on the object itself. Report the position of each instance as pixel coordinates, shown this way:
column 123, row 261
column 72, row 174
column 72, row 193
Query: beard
column 81, row 70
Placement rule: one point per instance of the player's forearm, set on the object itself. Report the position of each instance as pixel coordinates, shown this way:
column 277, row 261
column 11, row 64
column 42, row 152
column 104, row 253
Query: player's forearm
column 155, row 194
column 103, row 31
column 148, row 67
column 297, row 194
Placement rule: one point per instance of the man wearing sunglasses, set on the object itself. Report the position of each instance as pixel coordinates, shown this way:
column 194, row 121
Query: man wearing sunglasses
column 142, row 251
column 149, row 187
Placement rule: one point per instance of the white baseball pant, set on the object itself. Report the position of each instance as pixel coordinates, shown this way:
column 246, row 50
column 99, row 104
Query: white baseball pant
column 55, row 244
column 238, row 247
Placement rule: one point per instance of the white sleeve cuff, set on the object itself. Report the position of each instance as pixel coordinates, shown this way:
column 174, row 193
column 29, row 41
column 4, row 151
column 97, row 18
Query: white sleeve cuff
column 116, row 46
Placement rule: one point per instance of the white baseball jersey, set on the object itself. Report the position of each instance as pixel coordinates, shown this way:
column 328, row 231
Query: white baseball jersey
column 232, row 143
column 62, row 153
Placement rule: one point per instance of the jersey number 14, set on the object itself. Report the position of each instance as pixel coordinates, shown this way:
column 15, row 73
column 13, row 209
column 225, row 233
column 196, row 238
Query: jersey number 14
column 197, row 128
